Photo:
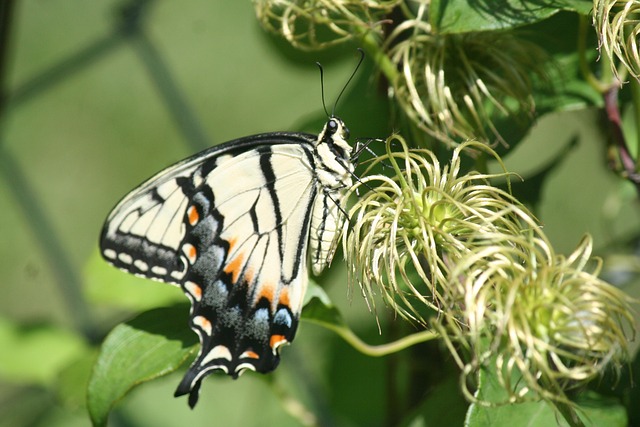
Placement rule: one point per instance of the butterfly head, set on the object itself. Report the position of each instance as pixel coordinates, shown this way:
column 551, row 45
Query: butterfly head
column 335, row 134
column 335, row 126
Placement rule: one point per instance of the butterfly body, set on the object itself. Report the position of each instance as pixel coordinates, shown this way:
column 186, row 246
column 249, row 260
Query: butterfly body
column 235, row 227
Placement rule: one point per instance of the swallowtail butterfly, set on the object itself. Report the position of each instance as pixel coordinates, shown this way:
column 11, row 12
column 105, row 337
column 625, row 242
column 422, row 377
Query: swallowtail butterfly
column 236, row 227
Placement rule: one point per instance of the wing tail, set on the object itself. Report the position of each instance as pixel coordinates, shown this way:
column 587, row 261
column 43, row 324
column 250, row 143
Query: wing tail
column 237, row 343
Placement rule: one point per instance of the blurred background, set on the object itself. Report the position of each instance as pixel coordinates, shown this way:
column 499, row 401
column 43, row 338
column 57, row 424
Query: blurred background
column 101, row 95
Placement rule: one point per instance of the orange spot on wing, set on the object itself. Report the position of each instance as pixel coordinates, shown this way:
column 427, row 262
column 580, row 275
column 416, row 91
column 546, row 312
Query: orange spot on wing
column 197, row 292
column 193, row 215
column 248, row 275
column 194, row 290
column 251, row 354
column 232, row 243
column 234, row 267
column 266, row 292
column 190, row 251
column 284, row 296
column 277, row 340
column 204, row 324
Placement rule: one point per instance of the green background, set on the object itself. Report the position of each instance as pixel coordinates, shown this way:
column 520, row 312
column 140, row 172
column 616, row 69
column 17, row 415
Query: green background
column 91, row 113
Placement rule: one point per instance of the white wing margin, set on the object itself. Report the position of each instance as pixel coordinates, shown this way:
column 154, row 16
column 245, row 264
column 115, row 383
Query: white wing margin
column 143, row 232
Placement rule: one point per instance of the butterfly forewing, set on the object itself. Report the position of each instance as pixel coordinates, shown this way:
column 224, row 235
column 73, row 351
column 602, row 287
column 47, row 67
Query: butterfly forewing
column 232, row 226
column 144, row 232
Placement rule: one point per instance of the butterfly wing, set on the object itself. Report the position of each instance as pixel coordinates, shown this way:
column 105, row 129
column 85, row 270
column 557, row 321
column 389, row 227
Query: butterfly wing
column 231, row 227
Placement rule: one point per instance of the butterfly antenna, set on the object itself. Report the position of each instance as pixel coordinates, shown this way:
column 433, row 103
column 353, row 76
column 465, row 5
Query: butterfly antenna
column 340, row 208
column 348, row 81
column 322, row 87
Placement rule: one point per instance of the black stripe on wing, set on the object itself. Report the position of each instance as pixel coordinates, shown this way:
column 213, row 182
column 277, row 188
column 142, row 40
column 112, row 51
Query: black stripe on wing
column 136, row 252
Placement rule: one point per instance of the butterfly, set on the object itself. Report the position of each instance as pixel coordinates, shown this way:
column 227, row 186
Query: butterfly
column 236, row 227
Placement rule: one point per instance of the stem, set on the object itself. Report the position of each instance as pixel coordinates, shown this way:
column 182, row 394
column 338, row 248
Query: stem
column 615, row 121
column 593, row 81
column 377, row 350
column 382, row 61
column 608, row 86
column 569, row 414
column 635, row 98
column 403, row 183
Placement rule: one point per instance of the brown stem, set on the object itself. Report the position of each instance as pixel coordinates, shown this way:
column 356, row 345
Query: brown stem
column 615, row 123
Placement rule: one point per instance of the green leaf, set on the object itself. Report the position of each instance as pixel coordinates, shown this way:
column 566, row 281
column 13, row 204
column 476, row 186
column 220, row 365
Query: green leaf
column 529, row 190
column 602, row 411
column 151, row 345
column 593, row 409
column 501, row 414
column 565, row 85
column 623, row 388
column 34, row 354
column 106, row 284
column 318, row 308
column 530, row 414
column 463, row 16
column 583, row 7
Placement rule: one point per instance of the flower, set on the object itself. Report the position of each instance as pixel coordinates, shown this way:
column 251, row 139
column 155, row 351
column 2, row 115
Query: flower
column 410, row 229
column 453, row 85
column 317, row 24
column 618, row 27
column 542, row 323
column 455, row 254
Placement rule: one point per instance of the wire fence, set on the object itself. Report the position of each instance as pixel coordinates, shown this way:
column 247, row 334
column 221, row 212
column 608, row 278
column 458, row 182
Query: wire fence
column 128, row 31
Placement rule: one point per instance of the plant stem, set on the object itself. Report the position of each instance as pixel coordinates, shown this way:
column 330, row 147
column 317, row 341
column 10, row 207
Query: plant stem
column 635, row 97
column 382, row 61
column 377, row 350
column 594, row 82
column 613, row 115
